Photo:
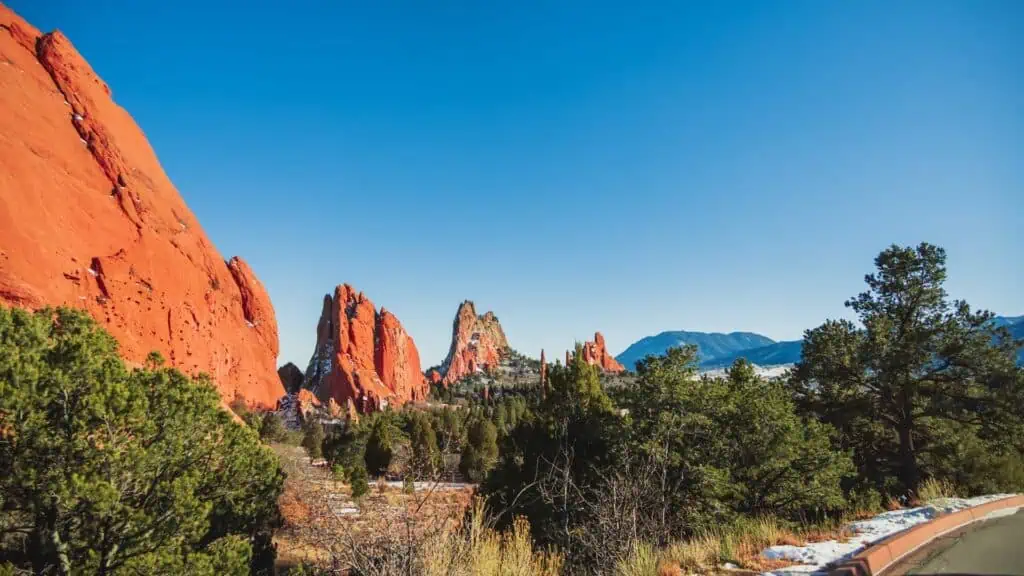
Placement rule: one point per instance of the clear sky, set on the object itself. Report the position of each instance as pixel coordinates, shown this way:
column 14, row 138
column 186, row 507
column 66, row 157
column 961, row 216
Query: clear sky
column 580, row 165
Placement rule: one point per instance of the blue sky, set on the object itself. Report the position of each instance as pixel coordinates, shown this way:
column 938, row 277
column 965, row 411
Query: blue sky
column 580, row 166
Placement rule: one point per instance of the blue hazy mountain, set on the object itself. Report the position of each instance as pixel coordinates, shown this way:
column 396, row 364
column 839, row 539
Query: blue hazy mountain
column 785, row 352
column 717, row 350
column 1011, row 322
column 1015, row 324
column 710, row 345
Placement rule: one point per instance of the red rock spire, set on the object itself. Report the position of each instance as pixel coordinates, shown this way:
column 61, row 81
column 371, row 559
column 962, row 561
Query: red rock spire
column 362, row 356
column 478, row 343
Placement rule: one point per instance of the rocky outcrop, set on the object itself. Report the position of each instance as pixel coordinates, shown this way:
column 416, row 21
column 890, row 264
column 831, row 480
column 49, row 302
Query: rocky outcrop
column 478, row 344
column 89, row 219
column 291, row 378
column 595, row 354
column 543, row 371
column 363, row 359
column 433, row 376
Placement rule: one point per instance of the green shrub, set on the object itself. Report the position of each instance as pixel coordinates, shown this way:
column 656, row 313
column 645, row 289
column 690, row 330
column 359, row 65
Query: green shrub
column 383, row 435
column 272, row 428
column 97, row 455
column 338, row 473
column 359, row 481
column 481, row 450
column 313, row 438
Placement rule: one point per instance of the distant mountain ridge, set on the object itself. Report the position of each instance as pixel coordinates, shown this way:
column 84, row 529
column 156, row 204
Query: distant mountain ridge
column 712, row 347
column 717, row 350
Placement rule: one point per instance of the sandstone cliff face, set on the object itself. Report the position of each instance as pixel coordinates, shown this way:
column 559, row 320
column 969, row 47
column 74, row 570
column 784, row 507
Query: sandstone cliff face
column 478, row 344
column 363, row 359
column 595, row 354
column 89, row 219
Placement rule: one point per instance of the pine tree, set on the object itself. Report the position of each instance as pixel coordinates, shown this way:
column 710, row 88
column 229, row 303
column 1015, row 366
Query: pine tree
column 426, row 458
column 313, row 438
column 379, row 444
column 481, row 450
column 359, row 481
column 110, row 470
column 272, row 428
column 920, row 376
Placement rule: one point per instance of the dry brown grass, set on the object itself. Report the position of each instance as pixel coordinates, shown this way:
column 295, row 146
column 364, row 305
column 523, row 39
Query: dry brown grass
column 934, row 489
column 862, row 514
column 669, row 569
column 741, row 544
column 320, row 532
column 478, row 550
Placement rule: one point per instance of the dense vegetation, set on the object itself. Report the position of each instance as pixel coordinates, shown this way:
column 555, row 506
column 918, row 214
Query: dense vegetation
column 924, row 389
column 920, row 389
column 108, row 470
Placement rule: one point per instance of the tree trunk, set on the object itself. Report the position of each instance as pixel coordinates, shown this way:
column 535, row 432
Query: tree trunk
column 909, row 475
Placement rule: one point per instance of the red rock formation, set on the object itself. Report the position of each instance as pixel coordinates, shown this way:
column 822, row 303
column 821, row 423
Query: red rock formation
column 595, row 354
column 306, row 404
column 434, row 377
column 363, row 358
column 543, row 372
column 478, row 344
column 89, row 219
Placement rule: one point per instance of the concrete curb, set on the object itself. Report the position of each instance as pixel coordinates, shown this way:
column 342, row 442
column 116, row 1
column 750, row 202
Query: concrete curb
column 876, row 558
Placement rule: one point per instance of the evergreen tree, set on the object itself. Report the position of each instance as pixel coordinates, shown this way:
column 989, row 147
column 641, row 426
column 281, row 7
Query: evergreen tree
column 426, row 458
column 481, row 449
column 345, row 445
column 359, row 481
column 921, row 377
column 272, row 428
column 313, row 438
column 553, row 460
column 723, row 446
column 380, row 443
column 108, row 470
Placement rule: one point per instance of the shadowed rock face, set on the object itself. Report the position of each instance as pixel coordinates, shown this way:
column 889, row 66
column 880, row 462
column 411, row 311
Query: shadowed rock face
column 89, row 219
column 596, row 354
column 363, row 358
column 478, row 344
column 291, row 378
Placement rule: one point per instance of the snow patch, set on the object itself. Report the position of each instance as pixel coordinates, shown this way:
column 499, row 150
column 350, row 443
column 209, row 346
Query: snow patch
column 812, row 558
column 766, row 372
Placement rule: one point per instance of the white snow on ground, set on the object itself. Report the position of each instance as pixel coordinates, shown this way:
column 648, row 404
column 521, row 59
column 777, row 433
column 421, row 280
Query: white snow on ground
column 439, row 486
column 768, row 372
column 812, row 558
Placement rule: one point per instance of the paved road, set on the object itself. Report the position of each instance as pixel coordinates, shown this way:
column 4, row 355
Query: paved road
column 990, row 548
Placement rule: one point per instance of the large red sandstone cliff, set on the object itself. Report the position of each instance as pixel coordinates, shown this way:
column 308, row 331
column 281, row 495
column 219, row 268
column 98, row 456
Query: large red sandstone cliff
column 89, row 219
column 363, row 358
column 596, row 354
column 478, row 344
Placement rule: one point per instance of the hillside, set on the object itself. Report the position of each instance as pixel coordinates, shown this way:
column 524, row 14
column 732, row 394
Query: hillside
column 718, row 350
column 711, row 346
column 786, row 352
